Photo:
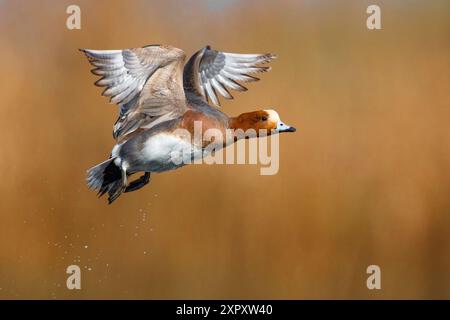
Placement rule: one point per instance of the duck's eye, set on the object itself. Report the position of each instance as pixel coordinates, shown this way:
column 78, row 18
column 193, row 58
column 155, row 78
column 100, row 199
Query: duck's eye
column 264, row 118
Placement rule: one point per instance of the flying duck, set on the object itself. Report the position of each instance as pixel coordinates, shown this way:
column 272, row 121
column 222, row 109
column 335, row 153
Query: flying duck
column 158, row 95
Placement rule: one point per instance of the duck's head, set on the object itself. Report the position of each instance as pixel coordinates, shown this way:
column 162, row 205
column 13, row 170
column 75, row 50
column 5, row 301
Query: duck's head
column 261, row 120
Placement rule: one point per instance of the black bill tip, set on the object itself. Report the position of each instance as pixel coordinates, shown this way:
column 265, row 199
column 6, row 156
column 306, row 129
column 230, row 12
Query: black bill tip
column 290, row 129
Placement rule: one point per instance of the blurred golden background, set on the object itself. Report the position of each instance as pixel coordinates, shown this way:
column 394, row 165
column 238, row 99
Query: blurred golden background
column 365, row 180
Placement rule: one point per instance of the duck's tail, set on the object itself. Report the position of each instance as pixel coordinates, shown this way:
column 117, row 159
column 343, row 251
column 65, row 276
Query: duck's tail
column 107, row 177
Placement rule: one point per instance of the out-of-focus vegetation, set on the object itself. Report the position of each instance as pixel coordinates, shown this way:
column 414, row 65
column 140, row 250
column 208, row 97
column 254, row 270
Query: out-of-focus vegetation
column 365, row 180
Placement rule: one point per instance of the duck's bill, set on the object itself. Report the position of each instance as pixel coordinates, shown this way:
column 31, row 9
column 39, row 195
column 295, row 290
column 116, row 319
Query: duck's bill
column 282, row 127
column 289, row 129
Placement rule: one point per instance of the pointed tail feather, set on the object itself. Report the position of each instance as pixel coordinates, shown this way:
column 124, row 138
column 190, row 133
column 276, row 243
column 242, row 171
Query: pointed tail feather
column 107, row 177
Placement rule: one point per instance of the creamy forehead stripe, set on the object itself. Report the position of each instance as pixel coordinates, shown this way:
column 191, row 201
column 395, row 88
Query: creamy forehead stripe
column 273, row 115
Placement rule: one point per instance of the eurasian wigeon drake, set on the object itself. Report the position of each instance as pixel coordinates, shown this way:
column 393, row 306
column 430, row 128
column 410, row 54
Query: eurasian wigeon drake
column 158, row 95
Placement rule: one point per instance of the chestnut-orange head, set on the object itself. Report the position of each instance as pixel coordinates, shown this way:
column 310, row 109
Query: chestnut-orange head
column 260, row 120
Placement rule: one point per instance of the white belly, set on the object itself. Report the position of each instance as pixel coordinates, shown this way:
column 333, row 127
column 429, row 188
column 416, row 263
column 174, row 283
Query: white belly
column 163, row 152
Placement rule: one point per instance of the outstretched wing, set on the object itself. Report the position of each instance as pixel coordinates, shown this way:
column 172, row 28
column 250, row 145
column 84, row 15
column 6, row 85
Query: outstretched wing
column 145, row 82
column 209, row 72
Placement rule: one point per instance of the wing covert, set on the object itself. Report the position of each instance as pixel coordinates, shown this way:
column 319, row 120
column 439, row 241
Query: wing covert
column 145, row 82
